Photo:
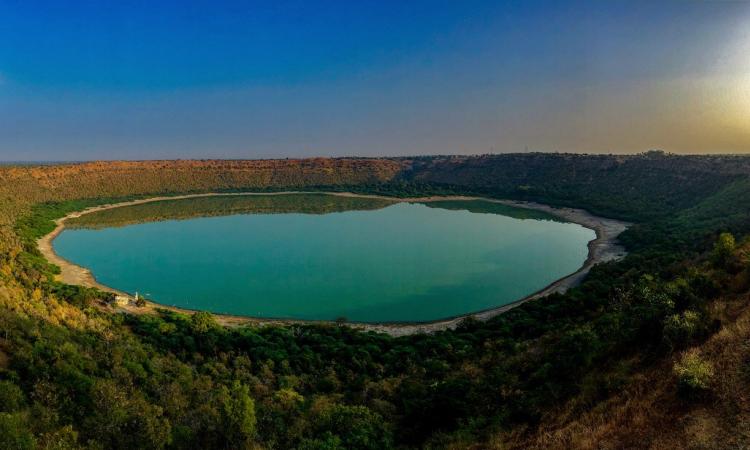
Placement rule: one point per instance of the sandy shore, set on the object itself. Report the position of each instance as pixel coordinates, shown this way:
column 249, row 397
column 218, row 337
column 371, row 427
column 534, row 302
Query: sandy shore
column 604, row 248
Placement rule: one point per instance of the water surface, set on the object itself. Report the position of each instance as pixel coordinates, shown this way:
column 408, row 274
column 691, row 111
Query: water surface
column 326, row 257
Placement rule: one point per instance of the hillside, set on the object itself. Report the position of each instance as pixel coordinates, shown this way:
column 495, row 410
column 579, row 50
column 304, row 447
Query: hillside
column 659, row 405
column 565, row 371
column 632, row 187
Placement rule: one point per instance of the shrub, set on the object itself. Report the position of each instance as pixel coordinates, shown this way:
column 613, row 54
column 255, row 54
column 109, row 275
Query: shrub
column 723, row 249
column 14, row 433
column 327, row 442
column 11, row 397
column 239, row 419
column 694, row 374
column 203, row 322
column 354, row 427
column 680, row 329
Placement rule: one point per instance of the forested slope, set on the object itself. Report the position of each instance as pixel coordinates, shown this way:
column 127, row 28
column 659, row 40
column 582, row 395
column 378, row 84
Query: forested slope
column 74, row 375
column 633, row 187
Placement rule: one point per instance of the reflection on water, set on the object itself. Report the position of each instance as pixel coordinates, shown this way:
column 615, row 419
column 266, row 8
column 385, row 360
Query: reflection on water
column 224, row 205
column 316, row 256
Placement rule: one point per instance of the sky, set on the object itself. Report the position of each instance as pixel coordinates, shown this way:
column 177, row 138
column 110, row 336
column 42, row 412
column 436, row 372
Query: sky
column 249, row 79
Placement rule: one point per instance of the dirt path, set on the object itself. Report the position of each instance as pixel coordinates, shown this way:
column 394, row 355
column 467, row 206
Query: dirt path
column 604, row 248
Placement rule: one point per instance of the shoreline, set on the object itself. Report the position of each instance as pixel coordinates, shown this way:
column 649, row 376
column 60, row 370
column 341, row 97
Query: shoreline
column 603, row 248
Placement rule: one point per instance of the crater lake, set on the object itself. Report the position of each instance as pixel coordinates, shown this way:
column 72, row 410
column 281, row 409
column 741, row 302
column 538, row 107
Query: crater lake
column 326, row 257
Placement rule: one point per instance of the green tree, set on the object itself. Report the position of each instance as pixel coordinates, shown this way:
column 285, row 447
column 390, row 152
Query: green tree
column 723, row 249
column 326, row 442
column 238, row 413
column 65, row 438
column 11, row 397
column 356, row 426
column 14, row 433
column 124, row 419
column 203, row 322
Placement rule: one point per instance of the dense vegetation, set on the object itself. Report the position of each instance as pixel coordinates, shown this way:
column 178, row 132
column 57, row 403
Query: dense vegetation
column 76, row 375
column 637, row 188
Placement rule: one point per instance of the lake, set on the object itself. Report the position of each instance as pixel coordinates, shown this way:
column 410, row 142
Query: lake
column 323, row 257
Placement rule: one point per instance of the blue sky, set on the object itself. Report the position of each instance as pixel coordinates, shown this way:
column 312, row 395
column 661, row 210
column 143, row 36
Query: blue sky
column 190, row 79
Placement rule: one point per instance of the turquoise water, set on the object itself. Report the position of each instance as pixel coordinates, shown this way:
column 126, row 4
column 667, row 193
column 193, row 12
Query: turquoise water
column 387, row 262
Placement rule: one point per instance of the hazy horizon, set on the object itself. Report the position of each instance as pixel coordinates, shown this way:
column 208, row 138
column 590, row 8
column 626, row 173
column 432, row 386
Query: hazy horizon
column 198, row 158
column 259, row 80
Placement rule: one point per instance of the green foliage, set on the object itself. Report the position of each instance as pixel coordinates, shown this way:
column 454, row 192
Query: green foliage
column 238, row 411
column 124, row 419
column 638, row 188
column 327, row 441
column 79, row 296
column 694, row 374
column 14, row 433
column 723, row 249
column 355, row 426
column 12, row 398
column 203, row 322
column 681, row 329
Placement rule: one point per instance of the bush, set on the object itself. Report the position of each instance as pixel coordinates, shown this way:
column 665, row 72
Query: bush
column 14, row 433
column 694, row 374
column 327, row 442
column 353, row 427
column 11, row 397
column 203, row 322
column 723, row 249
column 239, row 419
column 680, row 329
